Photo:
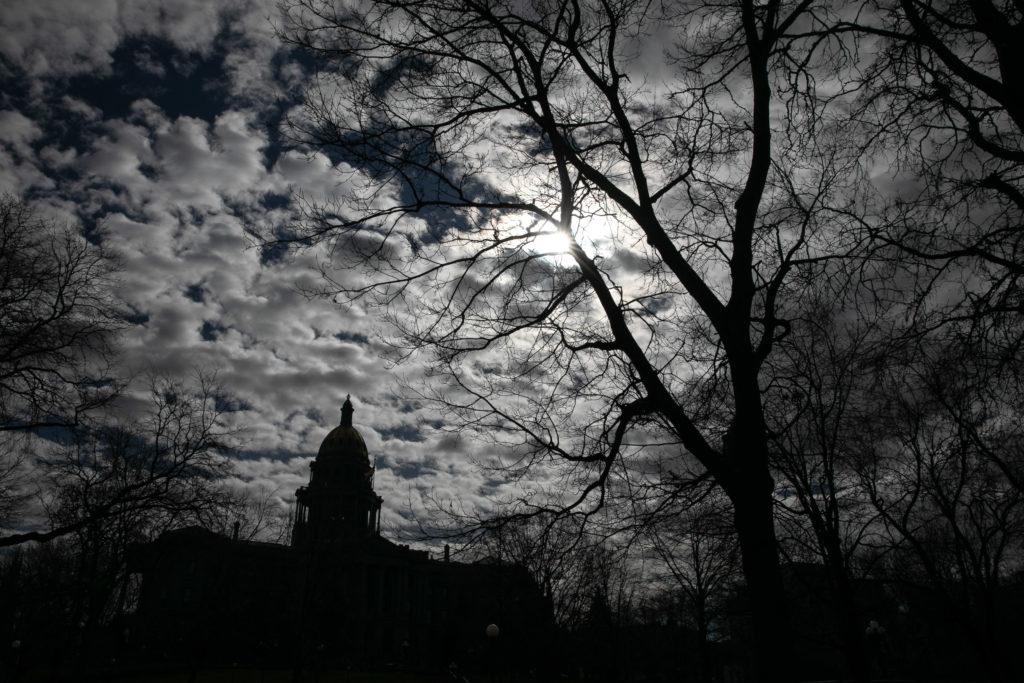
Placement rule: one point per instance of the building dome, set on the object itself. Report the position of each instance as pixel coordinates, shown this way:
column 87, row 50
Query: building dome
column 344, row 442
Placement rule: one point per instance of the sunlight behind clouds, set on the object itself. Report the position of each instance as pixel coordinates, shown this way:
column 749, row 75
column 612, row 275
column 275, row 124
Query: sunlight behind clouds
column 555, row 244
column 594, row 234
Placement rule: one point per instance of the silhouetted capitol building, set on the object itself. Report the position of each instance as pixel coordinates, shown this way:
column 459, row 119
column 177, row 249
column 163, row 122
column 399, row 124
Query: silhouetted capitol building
column 340, row 595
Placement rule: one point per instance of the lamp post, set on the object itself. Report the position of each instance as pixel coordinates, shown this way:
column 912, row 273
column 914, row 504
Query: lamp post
column 875, row 635
column 492, row 632
column 16, row 649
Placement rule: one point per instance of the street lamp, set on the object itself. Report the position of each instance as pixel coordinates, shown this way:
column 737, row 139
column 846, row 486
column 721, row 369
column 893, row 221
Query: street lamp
column 875, row 635
column 492, row 632
column 16, row 647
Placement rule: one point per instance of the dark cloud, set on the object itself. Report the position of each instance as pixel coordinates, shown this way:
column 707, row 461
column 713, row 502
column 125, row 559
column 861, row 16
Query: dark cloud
column 355, row 337
column 404, row 432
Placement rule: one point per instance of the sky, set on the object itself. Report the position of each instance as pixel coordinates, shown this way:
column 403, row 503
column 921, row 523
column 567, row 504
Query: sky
column 152, row 126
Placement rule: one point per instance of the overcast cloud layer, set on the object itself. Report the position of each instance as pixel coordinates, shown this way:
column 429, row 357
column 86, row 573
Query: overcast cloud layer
column 152, row 126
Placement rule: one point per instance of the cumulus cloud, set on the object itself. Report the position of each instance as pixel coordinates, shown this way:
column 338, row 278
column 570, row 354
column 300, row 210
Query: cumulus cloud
column 176, row 198
column 55, row 38
column 18, row 132
column 188, row 189
column 20, row 169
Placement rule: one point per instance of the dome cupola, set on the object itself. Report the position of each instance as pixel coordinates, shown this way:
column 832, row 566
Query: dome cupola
column 344, row 443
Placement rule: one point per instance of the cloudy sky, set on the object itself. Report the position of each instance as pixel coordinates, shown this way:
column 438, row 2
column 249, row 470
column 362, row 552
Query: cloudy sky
column 154, row 125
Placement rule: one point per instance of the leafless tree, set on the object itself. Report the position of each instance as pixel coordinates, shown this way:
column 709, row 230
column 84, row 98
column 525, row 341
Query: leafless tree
column 14, row 490
column 821, row 392
column 260, row 513
column 58, row 318
column 941, row 100
column 158, row 468
column 110, row 484
column 949, row 517
column 983, row 404
column 701, row 555
column 941, row 112
column 475, row 136
column 568, row 566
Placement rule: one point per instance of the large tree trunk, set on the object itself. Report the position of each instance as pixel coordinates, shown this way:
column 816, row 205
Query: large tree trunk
column 851, row 628
column 989, row 656
column 755, row 527
column 703, row 654
column 998, row 666
column 851, row 624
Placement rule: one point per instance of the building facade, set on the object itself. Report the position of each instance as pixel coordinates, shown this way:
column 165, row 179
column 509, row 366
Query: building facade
column 339, row 595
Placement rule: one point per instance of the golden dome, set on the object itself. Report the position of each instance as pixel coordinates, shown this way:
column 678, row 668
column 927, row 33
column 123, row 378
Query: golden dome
column 344, row 442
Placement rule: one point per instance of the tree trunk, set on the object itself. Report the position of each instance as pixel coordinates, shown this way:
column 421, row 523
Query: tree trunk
column 703, row 653
column 997, row 664
column 851, row 627
column 990, row 658
column 851, row 624
column 755, row 527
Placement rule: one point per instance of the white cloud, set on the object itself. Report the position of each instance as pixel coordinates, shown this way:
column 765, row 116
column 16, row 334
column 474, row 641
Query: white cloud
column 19, row 167
column 49, row 37
column 183, row 192
column 54, row 39
column 18, row 131
column 176, row 197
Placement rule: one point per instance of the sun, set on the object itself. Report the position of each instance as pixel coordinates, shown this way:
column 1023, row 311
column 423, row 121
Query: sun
column 553, row 243
column 594, row 235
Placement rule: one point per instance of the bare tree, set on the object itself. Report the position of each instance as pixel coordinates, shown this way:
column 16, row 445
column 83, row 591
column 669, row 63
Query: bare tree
column 58, row 318
column 14, row 489
column 147, row 468
column 563, row 561
column 260, row 513
column 701, row 555
column 941, row 101
column 949, row 517
column 983, row 404
column 941, row 110
column 157, row 468
column 680, row 203
column 822, row 391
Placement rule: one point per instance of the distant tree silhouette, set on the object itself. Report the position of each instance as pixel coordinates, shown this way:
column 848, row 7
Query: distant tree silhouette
column 260, row 516
column 164, row 467
column 107, row 485
column 817, row 404
column 700, row 552
column 58, row 318
column 948, row 516
column 566, row 563
column 13, row 479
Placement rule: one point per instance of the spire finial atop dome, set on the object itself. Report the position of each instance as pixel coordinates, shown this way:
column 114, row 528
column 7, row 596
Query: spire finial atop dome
column 346, row 411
